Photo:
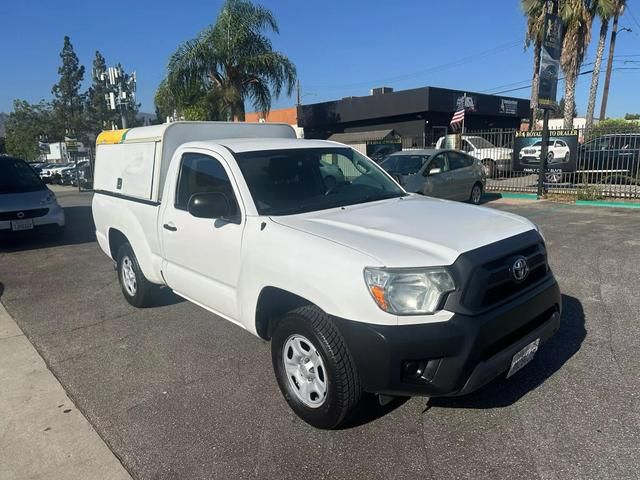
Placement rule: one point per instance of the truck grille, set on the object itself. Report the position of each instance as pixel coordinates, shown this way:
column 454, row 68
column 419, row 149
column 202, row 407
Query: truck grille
column 501, row 285
column 38, row 212
column 484, row 275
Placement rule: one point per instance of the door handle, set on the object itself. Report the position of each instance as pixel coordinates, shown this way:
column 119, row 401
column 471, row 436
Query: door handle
column 170, row 227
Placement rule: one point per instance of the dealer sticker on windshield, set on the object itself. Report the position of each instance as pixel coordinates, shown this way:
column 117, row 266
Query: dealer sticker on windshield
column 523, row 357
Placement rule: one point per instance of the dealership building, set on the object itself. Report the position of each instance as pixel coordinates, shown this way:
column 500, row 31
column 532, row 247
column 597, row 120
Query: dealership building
column 417, row 116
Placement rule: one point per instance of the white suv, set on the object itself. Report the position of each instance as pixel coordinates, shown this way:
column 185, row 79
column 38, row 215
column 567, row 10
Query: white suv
column 559, row 152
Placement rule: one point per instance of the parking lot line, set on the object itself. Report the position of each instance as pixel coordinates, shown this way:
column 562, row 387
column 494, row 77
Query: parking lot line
column 42, row 433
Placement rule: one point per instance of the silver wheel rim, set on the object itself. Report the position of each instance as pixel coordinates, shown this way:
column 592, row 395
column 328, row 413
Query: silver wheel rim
column 306, row 373
column 554, row 177
column 129, row 277
column 476, row 193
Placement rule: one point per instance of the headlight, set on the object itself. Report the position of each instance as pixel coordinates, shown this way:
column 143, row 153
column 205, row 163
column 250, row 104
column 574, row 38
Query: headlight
column 539, row 230
column 48, row 199
column 408, row 291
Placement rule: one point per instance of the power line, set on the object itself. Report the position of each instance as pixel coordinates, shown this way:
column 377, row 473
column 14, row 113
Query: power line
column 562, row 78
column 632, row 15
column 437, row 68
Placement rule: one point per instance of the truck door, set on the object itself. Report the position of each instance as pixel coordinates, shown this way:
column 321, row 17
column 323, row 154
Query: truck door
column 202, row 255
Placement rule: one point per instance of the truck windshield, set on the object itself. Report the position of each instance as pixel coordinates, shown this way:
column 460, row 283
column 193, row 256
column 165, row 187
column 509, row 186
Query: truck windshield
column 18, row 177
column 286, row 182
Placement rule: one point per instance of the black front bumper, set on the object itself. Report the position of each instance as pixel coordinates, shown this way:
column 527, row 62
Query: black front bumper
column 459, row 355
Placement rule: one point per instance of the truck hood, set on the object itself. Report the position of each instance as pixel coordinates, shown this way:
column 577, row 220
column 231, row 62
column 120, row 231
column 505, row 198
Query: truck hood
column 412, row 231
column 493, row 153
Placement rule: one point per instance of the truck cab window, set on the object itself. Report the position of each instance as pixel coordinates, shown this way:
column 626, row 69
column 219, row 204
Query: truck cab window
column 202, row 174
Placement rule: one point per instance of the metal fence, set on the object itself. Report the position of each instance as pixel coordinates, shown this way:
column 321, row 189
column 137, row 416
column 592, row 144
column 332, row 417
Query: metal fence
column 586, row 164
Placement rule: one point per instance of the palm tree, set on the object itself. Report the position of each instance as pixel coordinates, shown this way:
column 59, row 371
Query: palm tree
column 534, row 11
column 577, row 20
column 612, row 46
column 233, row 61
column 603, row 9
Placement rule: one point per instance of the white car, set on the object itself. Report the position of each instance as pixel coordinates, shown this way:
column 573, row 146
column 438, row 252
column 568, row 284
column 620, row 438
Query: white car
column 558, row 152
column 494, row 159
column 25, row 201
column 359, row 286
column 53, row 171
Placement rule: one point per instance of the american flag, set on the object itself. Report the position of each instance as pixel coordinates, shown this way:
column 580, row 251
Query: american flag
column 458, row 117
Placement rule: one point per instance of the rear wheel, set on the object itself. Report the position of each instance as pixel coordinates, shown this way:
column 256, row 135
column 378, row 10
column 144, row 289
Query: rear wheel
column 476, row 194
column 314, row 368
column 135, row 287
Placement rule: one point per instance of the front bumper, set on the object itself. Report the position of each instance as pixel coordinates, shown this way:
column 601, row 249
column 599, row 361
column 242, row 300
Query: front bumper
column 459, row 355
column 54, row 217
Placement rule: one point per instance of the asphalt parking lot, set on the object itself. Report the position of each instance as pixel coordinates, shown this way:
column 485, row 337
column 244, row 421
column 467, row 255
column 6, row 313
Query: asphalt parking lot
column 178, row 393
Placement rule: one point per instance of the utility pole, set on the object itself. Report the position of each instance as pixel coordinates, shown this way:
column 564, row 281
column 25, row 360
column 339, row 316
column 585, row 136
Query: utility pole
column 607, row 78
column 121, row 88
column 299, row 94
column 551, row 45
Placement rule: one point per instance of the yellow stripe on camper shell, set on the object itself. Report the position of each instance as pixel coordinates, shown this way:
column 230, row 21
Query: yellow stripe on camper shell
column 108, row 137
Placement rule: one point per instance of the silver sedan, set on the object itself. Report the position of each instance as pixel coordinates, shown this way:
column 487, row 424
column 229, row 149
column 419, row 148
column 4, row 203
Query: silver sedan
column 447, row 174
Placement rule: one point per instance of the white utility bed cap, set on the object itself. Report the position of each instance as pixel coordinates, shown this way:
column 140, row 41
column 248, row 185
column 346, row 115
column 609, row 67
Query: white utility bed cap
column 134, row 162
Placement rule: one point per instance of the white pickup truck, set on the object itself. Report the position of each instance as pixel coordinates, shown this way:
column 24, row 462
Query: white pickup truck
column 359, row 286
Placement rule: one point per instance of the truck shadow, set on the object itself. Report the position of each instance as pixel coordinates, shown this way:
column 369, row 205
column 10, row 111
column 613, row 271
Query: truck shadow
column 79, row 228
column 552, row 356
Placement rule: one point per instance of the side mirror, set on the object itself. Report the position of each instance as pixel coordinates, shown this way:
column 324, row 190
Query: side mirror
column 209, row 205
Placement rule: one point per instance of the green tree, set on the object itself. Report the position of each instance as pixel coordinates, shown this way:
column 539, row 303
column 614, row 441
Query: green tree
column 26, row 125
column 68, row 101
column 99, row 115
column 232, row 62
column 632, row 116
column 604, row 10
column 577, row 20
column 534, row 11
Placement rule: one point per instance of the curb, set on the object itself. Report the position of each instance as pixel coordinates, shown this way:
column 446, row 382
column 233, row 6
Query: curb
column 44, row 435
column 594, row 203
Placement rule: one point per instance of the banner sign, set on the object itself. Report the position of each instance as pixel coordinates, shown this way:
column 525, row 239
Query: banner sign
column 550, row 61
column 562, row 151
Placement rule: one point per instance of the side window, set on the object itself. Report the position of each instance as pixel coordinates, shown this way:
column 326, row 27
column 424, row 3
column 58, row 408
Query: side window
column 458, row 160
column 439, row 162
column 466, row 147
column 201, row 173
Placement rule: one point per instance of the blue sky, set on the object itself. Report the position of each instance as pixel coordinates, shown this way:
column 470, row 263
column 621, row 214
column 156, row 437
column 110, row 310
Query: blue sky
column 340, row 48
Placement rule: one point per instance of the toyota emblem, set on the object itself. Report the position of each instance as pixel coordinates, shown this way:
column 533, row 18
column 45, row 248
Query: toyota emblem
column 20, row 215
column 520, row 269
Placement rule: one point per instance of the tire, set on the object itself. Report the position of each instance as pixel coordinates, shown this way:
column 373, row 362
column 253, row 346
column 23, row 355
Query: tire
column 550, row 156
column 475, row 196
column 489, row 167
column 333, row 376
column 137, row 290
column 566, row 157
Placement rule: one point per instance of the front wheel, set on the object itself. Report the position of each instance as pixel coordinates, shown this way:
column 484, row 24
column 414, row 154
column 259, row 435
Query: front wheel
column 314, row 368
column 137, row 290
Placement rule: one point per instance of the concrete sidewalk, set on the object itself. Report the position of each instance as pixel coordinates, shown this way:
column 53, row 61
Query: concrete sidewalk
column 42, row 433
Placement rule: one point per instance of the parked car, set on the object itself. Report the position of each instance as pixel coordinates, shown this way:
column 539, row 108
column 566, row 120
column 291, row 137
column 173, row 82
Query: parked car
column 69, row 175
column 25, row 201
column 360, row 287
column 51, row 173
column 445, row 174
column 612, row 154
column 557, row 152
column 494, row 159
